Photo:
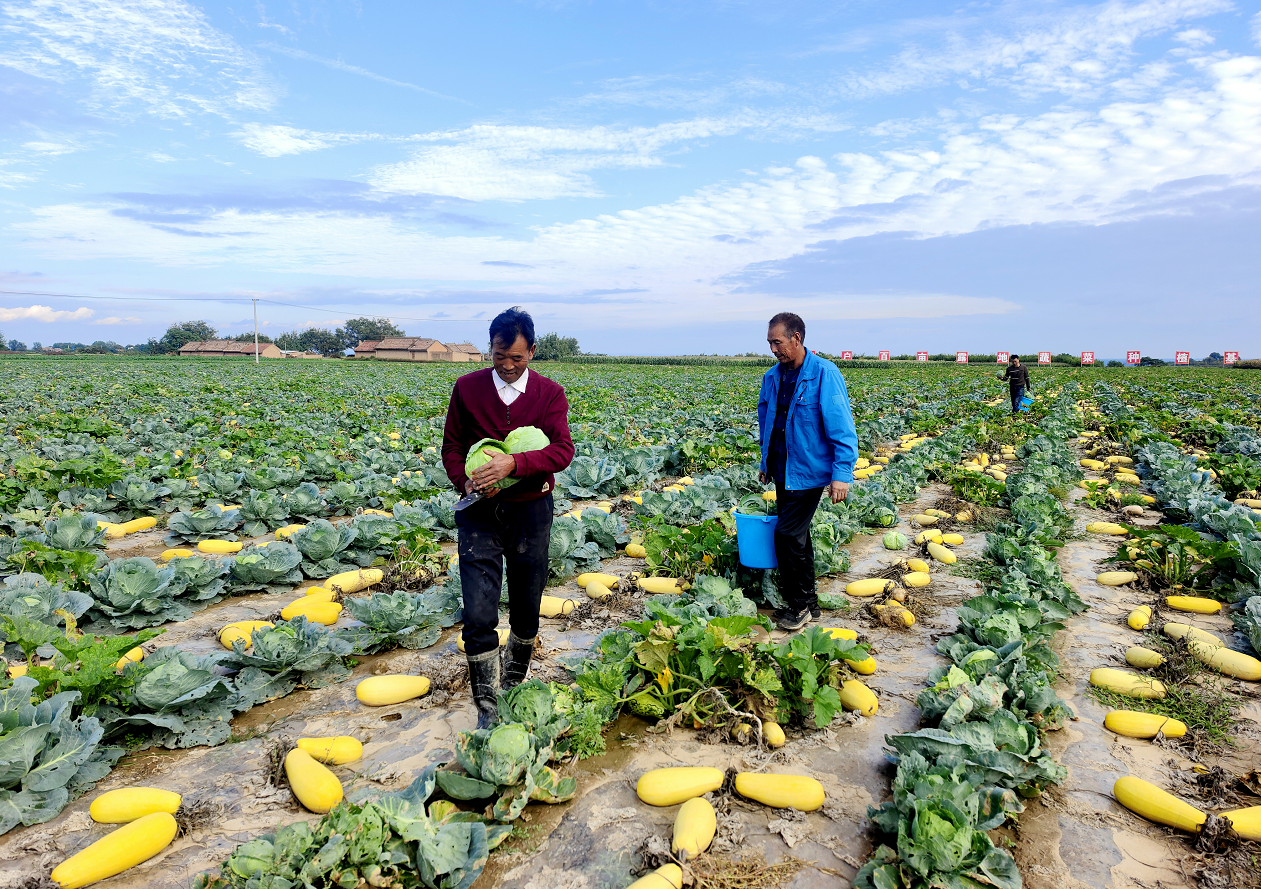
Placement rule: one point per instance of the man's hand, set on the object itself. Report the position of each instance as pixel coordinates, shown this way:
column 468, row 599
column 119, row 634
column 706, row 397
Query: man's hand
column 489, row 475
column 764, row 478
column 838, row 491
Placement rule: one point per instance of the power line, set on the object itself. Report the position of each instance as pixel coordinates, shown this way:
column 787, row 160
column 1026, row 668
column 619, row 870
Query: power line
column 273, row 302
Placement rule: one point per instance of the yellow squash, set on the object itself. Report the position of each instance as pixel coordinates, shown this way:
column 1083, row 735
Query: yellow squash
column 1133, row 724
column 242, row 629
column 917, row 565
column 925, row 536
column 126, row 804
column 636, row 550
column 334, row 751
column 671, row 786
column 660, row 585
column 219, row 547
column 1225, row 660
column 1143, row 658
column 872, row 586
column 668, row 876
column 1106, row 528
column 840, row 633
column 1123, row 682
column 1246, row 822
column 924, row 520
column 917, row 579
column 781, row 791
column 941, row 554
column 114, row 853
column 952, row 539
column 865, row 667
column 179, row 553
column 899, row 612
column 554, row 606
column 1150, row 802
column 311, row 782
column 1139, row 617
column 319, row 594
column 135, row 656
column 597, row 590
column 856, row 696
column 1116, row 578
column 1193, row 604
column 354, row 581
column 380, row 691
column 325, row 613
column 774, row 734
column 1176, row 630
column 609, row 580
column 694, row 828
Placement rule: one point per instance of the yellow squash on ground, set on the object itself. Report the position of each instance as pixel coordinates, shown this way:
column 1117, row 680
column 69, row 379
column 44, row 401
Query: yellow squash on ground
column 135, row 656
column 1106, row 528
column 554, row 606
column 381, row 691
column 924, row 520
column 916, row 579
column 1175, row 630
column 311, row 782
column 609, row 580
column 242, row 629
column 219, row 547
column 334, row 751
column 668, row 876
column 1246, row 822
column 1133, row 724
column 865, row 667
column 773, row 732
column 1193, row 604
column 118, row 851
column 952, row 539
column 925, row 536
column 325, row 613
column 941, row 554
column 597, row 590
column 126, row 804
column 1143, row 658
column 1139, row 617
column 319, row 594
column 660, row 585
column 1123, row 682
column 694, row 828
column 899, row 612
column 671, row 786
column 354, row 581
column 1116, row 578
column 179, row 553
column 781, row 791
column 872, row 586
column 1150, row 802
column 856, row 696
column 636, row 550
column 1225, row 660
column 917, row 565
column 840, row 632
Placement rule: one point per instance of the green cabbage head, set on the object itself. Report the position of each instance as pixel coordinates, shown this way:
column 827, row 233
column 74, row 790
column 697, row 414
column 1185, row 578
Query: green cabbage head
column 508, row 754
column 895, row 540
column 518, row 441
column 525, row 438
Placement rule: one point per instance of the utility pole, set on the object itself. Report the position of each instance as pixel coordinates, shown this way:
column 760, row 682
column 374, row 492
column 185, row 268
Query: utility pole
column 256, row 331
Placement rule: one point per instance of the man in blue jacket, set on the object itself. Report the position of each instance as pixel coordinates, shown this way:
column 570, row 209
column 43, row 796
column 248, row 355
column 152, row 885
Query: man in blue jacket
column 809, row 445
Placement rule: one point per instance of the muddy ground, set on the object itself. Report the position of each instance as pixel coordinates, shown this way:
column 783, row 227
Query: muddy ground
column 1074, row 835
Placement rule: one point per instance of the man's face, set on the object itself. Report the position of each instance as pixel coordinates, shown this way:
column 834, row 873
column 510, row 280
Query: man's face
column 511, row 361
column 784, row 347
column 1015, row 362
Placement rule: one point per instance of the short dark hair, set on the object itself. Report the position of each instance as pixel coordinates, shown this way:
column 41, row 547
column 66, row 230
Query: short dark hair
column 792, row 324
column 1014, row 357
column 510, row 324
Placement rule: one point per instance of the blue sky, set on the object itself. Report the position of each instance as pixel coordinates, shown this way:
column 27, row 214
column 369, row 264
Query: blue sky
column 651, row 177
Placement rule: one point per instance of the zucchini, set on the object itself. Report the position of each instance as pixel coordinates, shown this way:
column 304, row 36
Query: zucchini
column 694, row 828
column 660, row 585
column 1225, row 660
column 1126, row 683
column 242, row 629
column 334, row 751
column 314, row 785
column 325, row 613
column 1246, row 822
column 636, row 551
column 917, row 579
column 1150, row 802
column 781, row 791
column 1116, row 578
column 354, row 581
column 608, row 580
column 774, row 734
column 671, row 786
column 596, row 590
column 135, row 656
column 1133, row 724
column 1139, row 617
column 1191, row 634
column 856, row 696
column 1193, row 604
column 941, row 554
column 668, row 876
column 380, row 691
column 126, row 804
column 553, row 606
column 114, row 853
column 872, row 586
column 219, row 547
column 1143, row 658
column 918, row 565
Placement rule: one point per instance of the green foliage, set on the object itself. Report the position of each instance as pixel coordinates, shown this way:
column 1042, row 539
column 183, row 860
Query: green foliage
column 397, row 620
column 73, row 569
column 706, row 548
column 554, row 347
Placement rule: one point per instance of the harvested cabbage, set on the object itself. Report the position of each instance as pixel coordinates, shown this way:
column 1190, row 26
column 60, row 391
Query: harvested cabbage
column 518, row 441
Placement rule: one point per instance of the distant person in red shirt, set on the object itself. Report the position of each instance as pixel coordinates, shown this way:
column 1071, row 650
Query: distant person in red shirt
column 513, row 524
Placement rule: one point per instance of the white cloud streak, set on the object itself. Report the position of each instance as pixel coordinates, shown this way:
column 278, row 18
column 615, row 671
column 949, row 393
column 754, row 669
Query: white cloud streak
column 116, row 320
column 162, row 56
column 339, row 65
column 43, row 313
column 272, row 140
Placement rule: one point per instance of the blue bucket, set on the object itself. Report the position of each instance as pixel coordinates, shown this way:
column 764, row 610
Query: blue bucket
column 755, row 536
column 1025, row 402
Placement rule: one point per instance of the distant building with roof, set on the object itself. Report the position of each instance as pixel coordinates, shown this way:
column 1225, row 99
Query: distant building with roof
column 228, row 349
column 411, row 348
column 466, row 352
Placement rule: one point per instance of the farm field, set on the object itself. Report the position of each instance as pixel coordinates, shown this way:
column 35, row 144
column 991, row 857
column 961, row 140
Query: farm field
column 959, row 713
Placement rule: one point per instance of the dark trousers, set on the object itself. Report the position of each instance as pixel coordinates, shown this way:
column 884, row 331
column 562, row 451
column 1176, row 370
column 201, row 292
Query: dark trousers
column 793, row 549
column 491, row 532
column 1017, row 393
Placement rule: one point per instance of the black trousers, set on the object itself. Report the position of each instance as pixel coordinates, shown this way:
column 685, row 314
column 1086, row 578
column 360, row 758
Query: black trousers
column 491, row 532
column 1017, row 393
column 793, row 549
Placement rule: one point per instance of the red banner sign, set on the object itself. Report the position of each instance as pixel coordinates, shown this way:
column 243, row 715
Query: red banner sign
column 847, row 356
column 1044, row 358
column 1181, row 357
column 1133, row 357
column 961, row 357
column 1231, row 358
column 884, row 355
column 1002, row 358
column 921, row 356
column 1087, row 357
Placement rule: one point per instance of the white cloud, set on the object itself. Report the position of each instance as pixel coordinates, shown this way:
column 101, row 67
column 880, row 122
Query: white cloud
column 1194, row 37
column 115, row 320
column 159, row 55
column 50, row 148
column 518, row 163
column 160, row 157
column 278, row 141
column 43, row 313
column 1076, row 52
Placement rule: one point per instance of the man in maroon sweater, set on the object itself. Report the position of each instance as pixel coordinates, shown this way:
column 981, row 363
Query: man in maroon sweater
column 513, row 524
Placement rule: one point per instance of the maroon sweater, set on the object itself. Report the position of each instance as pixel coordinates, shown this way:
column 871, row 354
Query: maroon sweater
column 477, row 412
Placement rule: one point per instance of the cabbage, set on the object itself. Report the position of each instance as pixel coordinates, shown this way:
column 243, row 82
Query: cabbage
column 895, row 540
column 518, row 441
column 525, row 438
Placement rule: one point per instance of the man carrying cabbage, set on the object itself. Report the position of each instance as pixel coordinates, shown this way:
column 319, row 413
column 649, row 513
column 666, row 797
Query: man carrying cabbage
column 506, row 435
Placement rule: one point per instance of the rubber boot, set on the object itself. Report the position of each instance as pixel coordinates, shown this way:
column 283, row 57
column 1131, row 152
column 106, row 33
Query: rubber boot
column 517, row 654
column 483, row 671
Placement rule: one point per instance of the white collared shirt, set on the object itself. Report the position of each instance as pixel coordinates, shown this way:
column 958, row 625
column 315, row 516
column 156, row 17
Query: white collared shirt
column 509, row 392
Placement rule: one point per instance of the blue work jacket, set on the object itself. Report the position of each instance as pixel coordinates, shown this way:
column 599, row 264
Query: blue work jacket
column 819, row 435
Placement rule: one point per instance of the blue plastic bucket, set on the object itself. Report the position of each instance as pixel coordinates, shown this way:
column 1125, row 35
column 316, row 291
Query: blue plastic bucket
column 1025, row 402
column 755, row 536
